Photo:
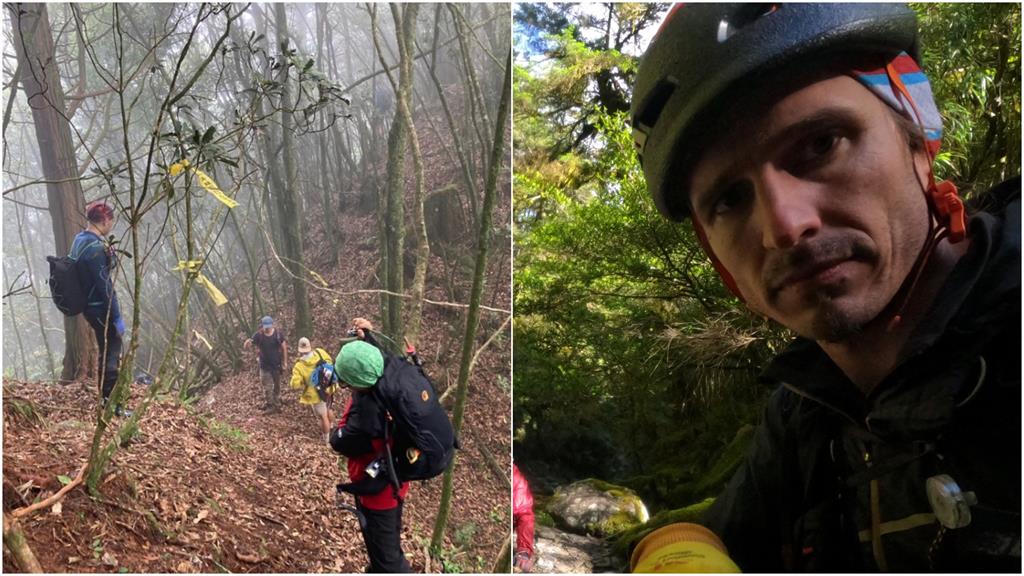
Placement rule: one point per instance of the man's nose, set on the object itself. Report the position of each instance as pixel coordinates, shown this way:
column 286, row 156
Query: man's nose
column 787, row 209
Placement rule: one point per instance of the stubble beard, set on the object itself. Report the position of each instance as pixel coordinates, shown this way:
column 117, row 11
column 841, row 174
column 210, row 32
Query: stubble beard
column 836, row 315
column 832, row 323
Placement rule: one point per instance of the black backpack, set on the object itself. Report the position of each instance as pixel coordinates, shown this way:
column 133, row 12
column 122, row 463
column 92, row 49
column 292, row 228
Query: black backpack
column 66, row 284
column 424, row 440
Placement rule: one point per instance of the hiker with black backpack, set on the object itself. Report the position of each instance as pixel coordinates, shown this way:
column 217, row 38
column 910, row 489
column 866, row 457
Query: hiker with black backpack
column 313, row 373
column 95, row 263
column 393, row 430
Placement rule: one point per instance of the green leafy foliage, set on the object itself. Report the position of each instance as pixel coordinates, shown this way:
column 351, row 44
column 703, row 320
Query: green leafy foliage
column 235, row 437
column 971, row 53
column 591, row 55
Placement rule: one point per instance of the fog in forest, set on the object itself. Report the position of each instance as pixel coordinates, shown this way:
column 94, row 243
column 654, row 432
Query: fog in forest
column 313, row 162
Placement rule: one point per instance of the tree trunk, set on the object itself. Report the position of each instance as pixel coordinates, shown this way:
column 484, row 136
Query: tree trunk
column 26, row 248
column 291, row 210
column 394, row 208
column 14, row 540
column 476, row 97
column 456, row 139
column 331, row 232
column 406, row 22
column 33, row 43
column 474, row 299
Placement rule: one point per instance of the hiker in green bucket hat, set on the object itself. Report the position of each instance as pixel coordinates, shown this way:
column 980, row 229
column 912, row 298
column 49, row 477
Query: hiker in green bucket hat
column 359, row 364
column 360, row 437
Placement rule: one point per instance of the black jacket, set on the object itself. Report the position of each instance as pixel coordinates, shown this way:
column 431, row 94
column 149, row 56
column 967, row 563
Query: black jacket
column 803, row 498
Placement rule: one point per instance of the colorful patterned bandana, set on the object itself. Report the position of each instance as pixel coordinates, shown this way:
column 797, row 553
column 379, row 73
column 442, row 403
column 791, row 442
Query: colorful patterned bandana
column 916, row 82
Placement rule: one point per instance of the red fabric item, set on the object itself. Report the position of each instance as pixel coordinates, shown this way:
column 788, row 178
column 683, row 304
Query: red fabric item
column 385, row 499
column 522, row 512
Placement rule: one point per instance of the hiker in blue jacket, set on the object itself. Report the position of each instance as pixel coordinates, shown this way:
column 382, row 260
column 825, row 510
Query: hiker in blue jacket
column 96, row 264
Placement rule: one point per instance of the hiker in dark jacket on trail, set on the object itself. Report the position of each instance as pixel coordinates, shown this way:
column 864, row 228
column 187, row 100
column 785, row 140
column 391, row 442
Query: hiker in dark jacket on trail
column 272, row 353
column 799, row 139
column 360, row 437
column 96, row 264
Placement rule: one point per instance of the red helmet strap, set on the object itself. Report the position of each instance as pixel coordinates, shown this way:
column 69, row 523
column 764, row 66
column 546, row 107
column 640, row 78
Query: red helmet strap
column 727, row 278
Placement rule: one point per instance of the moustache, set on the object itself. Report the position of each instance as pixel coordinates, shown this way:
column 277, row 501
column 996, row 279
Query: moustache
column 807, row 258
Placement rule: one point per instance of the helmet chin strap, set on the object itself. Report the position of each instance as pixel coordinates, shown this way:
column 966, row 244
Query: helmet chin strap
column 946, row 213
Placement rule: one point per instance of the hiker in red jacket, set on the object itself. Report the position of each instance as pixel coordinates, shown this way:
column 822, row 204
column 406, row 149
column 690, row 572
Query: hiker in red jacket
column 522, row 514
column 360, row 437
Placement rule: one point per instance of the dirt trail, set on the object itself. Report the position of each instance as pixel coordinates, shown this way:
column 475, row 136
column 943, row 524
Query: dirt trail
column 217, row 486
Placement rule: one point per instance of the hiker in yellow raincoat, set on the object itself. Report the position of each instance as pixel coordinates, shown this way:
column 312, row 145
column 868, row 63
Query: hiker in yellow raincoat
column 302, row 374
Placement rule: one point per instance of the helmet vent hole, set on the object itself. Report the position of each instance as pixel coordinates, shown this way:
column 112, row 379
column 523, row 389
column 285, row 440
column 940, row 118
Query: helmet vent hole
column 744, row 16
column 651, row 110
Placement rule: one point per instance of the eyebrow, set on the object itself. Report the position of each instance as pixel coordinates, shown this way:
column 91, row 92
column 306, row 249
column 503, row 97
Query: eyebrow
column 823, row 116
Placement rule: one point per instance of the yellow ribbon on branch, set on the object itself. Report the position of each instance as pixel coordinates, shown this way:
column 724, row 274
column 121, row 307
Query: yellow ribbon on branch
column 202, row 339
column 319, row 278
column 205, row 181
column 216, row 295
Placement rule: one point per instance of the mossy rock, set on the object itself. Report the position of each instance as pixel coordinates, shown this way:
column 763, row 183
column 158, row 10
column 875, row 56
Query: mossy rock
column 596, row 508
column 625, row 541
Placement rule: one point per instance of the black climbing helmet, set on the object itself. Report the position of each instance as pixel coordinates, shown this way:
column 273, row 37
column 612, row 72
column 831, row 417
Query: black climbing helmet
column 703, row 50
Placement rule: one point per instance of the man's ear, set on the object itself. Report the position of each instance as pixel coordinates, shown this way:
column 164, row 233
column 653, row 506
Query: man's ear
column 922, row 162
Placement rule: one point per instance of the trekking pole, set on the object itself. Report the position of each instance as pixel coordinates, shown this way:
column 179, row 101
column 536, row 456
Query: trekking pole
column 394, row 344
column 339, row 502
column 410, row 351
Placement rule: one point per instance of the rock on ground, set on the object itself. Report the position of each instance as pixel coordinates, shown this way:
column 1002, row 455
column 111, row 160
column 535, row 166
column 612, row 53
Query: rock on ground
column 595, row 507
column 556, row 551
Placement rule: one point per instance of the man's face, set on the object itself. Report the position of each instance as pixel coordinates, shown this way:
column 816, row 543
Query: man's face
column 813, row 203
column 268, row 330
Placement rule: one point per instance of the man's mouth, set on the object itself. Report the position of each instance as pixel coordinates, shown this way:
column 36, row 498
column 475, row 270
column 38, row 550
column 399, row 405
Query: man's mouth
column 821, row 271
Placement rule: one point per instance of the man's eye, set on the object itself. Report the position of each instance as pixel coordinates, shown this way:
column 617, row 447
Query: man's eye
column 815, row 151
column 822, row 144
column 731, row 198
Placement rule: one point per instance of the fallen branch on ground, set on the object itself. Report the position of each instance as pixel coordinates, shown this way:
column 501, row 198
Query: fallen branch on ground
column 21, row 512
